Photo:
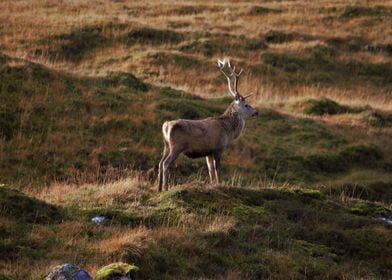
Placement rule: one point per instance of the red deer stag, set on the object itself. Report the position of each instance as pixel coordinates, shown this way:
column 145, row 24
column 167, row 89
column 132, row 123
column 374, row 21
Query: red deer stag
column 208, row 137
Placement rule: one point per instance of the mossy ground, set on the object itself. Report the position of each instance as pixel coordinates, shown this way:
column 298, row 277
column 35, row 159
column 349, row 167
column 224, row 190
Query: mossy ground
column 196, row 231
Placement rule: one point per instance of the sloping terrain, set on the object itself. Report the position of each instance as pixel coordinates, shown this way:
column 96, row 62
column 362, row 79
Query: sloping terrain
column 58, row 127
column 85, row 88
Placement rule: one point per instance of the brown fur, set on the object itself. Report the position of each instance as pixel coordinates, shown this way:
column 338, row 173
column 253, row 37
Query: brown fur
column 200, row 138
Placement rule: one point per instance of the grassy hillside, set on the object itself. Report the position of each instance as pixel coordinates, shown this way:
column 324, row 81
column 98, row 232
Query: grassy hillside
column 85, row 88
column 59, row 127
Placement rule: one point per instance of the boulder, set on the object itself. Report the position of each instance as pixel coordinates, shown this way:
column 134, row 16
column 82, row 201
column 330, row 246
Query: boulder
column 68, row 271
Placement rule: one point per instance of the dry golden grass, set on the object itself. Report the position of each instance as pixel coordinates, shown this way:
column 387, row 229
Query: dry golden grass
column 126, row 191
column 25, row 23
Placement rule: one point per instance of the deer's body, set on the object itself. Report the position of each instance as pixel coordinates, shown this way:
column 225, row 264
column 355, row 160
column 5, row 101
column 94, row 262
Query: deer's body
column 204, row 138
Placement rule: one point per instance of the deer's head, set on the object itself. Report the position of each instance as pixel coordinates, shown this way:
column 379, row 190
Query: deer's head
column 239, row 104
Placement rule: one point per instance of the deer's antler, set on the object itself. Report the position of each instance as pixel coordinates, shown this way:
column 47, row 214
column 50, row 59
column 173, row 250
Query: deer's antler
column 230, row 75
column 221, row 65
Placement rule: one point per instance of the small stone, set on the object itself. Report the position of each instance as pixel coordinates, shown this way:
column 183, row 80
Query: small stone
column 68, row 271
column 117, row 271
column 98, row 219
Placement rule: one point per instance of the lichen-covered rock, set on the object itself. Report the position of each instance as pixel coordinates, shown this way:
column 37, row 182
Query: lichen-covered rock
column 68, row 271
column 117, row 271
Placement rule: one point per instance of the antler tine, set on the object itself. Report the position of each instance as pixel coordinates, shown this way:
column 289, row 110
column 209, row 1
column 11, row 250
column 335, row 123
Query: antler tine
column 232, row 73
column 249, row 95
column 221, row 65
column 236, row 80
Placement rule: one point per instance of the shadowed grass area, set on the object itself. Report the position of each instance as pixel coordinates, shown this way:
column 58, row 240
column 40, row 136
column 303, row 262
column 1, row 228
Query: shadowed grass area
column 73, row 46
column 277, row 37
column 179, row 60
column 18, row 206
column 319, row 107
column 225, row 45
column 260, row 10
column 374, row 191
column 153, row 36
column 350, row 12
column 327, row 70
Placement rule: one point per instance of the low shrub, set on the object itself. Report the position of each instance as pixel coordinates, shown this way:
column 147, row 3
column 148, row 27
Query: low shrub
column 75, row 45
column 151, row 36
column 362, row 155
column 322, row 106
column 127, row 79
column 329, row 163
column 350, row 12
column 260, row 10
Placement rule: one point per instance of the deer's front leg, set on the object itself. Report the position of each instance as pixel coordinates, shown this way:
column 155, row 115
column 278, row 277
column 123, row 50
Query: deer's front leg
column 211, row 168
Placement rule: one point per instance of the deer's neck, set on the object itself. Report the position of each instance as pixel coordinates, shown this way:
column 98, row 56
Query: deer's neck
column 232, row 122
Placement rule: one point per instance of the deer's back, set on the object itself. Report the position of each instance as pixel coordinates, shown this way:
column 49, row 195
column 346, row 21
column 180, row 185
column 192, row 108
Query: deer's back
column 197, row 137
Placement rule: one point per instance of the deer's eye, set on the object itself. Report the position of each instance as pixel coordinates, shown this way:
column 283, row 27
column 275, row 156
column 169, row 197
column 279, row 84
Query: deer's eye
column 247, row 106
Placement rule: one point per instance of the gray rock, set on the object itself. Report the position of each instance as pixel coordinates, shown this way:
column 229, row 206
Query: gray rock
column 68, row 271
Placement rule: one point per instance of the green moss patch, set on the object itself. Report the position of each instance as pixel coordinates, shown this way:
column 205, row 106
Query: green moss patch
column 369, row 209
column 117, row 270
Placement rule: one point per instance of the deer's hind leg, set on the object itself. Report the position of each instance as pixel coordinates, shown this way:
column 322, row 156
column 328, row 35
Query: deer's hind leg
column 174, row 152
column 160, row 172
column 217, row 165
